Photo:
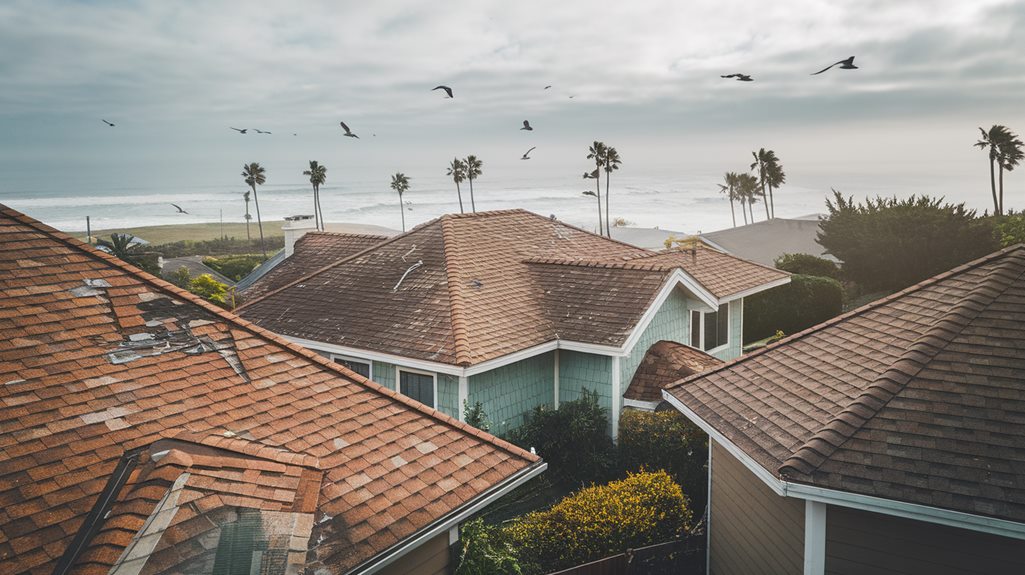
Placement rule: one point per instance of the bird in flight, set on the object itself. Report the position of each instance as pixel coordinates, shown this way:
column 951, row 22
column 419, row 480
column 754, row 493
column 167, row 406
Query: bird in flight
column 348, row 132
column 526, row 126
column 179, row 208
column 107, row 123
column 242, row 131
column 548, row 86
column 526, row 156
column 261, row 132
column 739, row 77
column 447, row 90
column 847, row 64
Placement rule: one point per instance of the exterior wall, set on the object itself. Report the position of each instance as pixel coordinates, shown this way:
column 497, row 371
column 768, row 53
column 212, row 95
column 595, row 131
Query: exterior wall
column 430, row 558
column 751, row 529
column 510, row 392
column 671, row 322
column 579, row 371
column 448, row 394
column 864, row 542
column 736, row 344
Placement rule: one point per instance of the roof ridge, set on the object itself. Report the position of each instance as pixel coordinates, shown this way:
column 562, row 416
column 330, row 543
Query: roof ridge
column 345, row 234
column 596, row 263
column 854, row 312
column 814, row 452
column 457, row 307
column 239, row 322
column 720, row 252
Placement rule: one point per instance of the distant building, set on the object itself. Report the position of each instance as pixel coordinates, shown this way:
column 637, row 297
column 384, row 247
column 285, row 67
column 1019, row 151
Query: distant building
column 889, row 439
column 143, row 430
column 170, row 266
column 507, row 308
column 767, row 240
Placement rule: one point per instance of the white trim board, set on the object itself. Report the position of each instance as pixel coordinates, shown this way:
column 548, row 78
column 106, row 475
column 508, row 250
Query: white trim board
column 639, row 404
column 357, row 353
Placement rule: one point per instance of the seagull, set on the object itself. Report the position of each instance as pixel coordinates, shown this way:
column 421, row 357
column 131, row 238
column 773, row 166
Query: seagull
column 549, row 86
column 179, row 208
column 447, row 90
column 261, row 132
column 847, row 64
column 526, row 155
column 739, row 77
column 526, row 126
column 348, row 132
column 573, row 96
column 107, row 123
column 239, row 131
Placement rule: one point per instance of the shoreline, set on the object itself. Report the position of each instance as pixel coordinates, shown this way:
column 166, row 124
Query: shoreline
column 168, row 233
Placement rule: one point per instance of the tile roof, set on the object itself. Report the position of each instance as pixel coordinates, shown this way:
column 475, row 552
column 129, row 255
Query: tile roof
column 917, row 398
column 313, row 251
column 100, row 359
column 490, row 284
column 666, row 362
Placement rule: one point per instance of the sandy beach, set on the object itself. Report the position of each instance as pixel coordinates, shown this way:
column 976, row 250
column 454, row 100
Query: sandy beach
column 198, row 232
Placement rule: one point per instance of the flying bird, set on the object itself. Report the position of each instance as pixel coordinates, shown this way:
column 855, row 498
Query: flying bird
column 261, row 132
column 243, row 131
column 447, row 90
column 549, row 86
column 739, row 77
column 179, row 208
column 107, row 123
column 348, row 132
column 847, row 64
column 526, row 126
column 526, row 155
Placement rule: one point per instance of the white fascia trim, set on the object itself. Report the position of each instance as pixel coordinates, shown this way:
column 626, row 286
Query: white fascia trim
column 378, row 356
column 444, row 525
column 638, row 404
column 756, row 289
column 511, row 358
column 776, row 485
column 914, row 511
column 677, row 278
column 596, row 349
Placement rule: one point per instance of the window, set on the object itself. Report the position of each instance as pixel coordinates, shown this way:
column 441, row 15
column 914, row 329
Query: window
column 419, row 386
column 709, row 331
column 695, row 329
column 360, row 367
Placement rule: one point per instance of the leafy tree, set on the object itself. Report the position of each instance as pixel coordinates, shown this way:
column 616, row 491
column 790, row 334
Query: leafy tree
column 808, row 264
column 400, row 183
column 612, row 162
column 254, row 175
column 485, row 550
column 1010, row 229
column 474, row 168
column 318, row 175
column 457, row 171
column 245, row 198
column 475, row 416
column 889, row 244
column 206, row 287
column 597, row 153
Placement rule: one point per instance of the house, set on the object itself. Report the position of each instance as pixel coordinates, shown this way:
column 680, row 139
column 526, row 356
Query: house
column 888, row 439
column 512, row 310
column 767, row 240
column 146, row 431
column 195, row 266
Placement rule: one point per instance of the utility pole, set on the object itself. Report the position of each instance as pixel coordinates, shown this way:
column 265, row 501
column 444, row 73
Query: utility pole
column 88, row 232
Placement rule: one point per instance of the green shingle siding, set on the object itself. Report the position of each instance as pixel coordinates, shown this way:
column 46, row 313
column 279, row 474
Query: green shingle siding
column 735, row 348
column 510, row 392
column 579, row 371
column 448, row 394
column 671, row 322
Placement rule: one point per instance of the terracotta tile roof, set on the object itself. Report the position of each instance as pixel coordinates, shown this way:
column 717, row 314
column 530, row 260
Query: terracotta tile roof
column 664, row 363
column 490, row 284
column 313, row 251
column 918, row 397
column 100, row 358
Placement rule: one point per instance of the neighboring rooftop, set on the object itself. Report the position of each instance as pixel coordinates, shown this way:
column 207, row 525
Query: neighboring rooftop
column 142, row 426
column 196, row 268
column 464, row 289
column 664, row 363
column 919, row 397
column 767, row 240
column 648, row 238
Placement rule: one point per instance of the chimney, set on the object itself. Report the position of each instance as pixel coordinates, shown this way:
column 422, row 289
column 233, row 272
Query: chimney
column 296, row 227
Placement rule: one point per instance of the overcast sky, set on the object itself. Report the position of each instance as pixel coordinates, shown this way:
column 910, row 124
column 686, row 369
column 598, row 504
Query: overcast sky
column 174, row 76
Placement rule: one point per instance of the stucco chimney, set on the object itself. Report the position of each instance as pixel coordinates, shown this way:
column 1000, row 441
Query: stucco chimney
column 296, row 227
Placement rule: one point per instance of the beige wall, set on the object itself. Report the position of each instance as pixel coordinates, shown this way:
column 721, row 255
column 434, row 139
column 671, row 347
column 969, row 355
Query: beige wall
column 752, row 530
column 864, row 542
column 431, row 558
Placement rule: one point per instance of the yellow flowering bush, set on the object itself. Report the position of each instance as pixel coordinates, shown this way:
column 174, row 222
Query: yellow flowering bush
column 668, row 441
column 602, row 520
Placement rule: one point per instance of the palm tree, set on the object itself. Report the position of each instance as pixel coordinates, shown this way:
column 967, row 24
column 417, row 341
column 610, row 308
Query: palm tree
column 318, row 175
column 473, row 169
column 597, row 153
column 457, row 170
column 747, row 187
column 245, row 198
column 730, row 189
column 594, row 176
column 991, row 140
column 763, row 158
column 400, row 183
column 774, row 178
column 1010, row 154
column 254, row 176
column 121, row 246
column 612, row 162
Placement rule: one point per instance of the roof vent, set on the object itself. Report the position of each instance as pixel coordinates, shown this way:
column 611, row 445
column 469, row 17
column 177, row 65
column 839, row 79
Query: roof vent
column 418, row 264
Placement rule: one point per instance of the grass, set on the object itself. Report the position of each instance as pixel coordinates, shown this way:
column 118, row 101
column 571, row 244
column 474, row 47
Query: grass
column 195, row 232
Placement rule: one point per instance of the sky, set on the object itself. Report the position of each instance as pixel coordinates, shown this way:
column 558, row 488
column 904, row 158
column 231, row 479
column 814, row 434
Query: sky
column 644, row 76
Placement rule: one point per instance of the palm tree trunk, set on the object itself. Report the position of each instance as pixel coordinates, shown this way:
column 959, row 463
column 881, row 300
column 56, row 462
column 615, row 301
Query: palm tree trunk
column 993, row 186
column 733, row 212
column 259, row 222
column 473, row 206
column 460, row 194
column 1001, row 168
column 316, row 214
column 772, row 203
column 597, row 188
column 249, row 237
column 608, row 224
column 402, row 212
column 323, row 224
column 765, row 200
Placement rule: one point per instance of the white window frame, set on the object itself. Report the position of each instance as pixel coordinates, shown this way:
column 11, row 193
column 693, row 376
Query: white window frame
column 434, row 377
column 336, row 356
column 701, row 330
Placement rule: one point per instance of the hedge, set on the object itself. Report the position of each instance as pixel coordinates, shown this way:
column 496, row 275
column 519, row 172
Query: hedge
column 804, row 302
column 666, row 440
column 809, row 265
column 599, row 521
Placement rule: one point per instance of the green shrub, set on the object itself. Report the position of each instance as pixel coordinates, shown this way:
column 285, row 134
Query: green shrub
column 1010, row 229
column 804, row 302
column 666, row 440
column 206, row 287
column 217, row 247
column 485, row 550
column 475, row 416
column 809, row 265
column 573, row 440
column 234, row 267
column 182, row 277
column 599, row 521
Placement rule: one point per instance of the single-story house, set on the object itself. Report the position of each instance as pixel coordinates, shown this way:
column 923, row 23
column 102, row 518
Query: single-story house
column 147, row 431
column 510, row 309
column 890, row 439
column 767, row 240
